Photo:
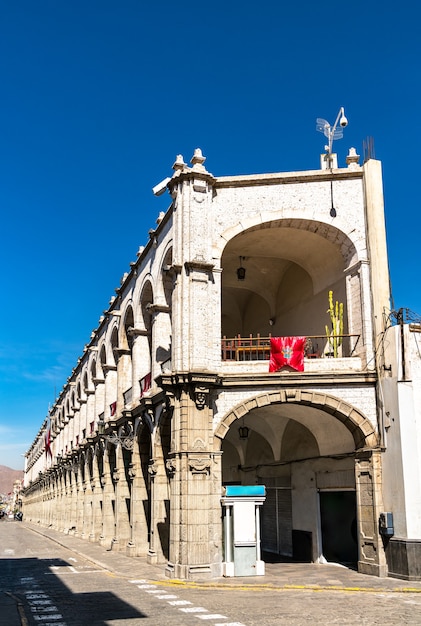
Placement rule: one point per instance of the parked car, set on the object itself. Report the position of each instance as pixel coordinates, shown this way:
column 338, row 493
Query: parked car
column 18, row 516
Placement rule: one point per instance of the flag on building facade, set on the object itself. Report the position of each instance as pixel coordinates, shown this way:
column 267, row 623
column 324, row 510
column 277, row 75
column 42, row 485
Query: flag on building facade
column 145, row 384
column 287, row 351
column 47, row 439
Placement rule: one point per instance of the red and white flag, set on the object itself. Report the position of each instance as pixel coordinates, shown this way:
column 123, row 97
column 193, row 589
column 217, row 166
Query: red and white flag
column 287, row 351
column 145, row 384
column 47, row 439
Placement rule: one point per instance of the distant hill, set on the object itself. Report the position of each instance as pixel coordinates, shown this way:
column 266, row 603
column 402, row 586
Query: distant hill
column 8, row 477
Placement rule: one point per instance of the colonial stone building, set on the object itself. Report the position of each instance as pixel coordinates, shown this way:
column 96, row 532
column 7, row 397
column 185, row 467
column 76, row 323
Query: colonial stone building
column 173, row 397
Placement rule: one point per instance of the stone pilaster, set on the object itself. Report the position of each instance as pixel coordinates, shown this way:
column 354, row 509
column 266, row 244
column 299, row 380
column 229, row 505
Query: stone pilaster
column 368, row 479
column 108, row 503
column 195, row 519
column 140, row 494
column 122, row 495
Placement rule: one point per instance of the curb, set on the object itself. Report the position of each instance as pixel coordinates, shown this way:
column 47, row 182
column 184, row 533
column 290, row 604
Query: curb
column 19, row 607
column 286, row 587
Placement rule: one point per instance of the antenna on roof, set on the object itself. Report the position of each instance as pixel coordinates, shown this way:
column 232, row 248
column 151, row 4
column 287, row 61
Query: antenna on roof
column 332, row 132
column 368, row 149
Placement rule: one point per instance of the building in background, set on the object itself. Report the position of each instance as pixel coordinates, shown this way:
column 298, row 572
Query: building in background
column 250, row 343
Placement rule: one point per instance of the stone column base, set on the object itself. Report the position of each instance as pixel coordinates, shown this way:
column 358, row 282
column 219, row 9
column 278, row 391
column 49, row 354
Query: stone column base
column 131, row 549
column 192, row 572
column 372, row 569
column 152, row 558
column 105, row 542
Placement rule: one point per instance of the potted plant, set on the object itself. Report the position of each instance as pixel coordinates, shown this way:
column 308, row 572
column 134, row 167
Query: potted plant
column 334, row 334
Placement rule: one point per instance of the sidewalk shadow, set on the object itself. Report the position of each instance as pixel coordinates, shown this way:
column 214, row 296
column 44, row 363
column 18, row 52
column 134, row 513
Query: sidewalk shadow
column 43, row 594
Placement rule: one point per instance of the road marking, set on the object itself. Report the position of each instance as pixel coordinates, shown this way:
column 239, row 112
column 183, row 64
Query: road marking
column 179, row 602
column 70, row 569
column 42, row 607
column 135, row 582
column 230, row 624
column 41, row 602
column 194, row 609
column 182, row 605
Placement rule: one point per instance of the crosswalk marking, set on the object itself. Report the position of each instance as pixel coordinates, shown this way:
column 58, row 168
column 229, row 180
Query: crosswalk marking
column 182, row 605
column 43, row 610
column 179, row 603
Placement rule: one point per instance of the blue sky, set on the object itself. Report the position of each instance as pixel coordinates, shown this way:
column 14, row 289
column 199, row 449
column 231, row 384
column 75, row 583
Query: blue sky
column 98, row 98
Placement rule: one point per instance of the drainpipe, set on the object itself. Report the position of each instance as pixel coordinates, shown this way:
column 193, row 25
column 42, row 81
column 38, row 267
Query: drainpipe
column 400, row 322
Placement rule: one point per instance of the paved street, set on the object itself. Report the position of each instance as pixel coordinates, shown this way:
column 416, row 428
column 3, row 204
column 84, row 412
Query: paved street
column 49, row 578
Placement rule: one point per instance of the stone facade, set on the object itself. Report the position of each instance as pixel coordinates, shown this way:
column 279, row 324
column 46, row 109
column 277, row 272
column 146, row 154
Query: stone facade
column 145, row 433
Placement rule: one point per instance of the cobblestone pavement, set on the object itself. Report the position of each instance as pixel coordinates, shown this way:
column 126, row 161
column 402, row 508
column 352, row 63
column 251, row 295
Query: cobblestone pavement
column 289, row 593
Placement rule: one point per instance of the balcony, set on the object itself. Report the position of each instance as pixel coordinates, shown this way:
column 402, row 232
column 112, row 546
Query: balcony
column 252, row 353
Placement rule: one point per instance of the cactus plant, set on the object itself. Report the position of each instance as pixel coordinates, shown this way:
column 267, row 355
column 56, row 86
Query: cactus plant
column 334, row 335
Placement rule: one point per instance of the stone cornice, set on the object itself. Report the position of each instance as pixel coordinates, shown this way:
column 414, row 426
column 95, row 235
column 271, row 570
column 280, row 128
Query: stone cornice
column 135, row 332
column 284, row 178
column 120, row 352
column 207, row 379
column 198, row 265
column 158, row 308
column 190, row 174
column 299, row 380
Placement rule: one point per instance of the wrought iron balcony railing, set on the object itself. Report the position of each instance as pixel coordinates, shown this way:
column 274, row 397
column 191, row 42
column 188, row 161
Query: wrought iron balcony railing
column 257, row 348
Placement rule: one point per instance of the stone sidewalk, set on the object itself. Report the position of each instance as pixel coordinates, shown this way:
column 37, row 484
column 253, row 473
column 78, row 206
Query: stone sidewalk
column 278, row 575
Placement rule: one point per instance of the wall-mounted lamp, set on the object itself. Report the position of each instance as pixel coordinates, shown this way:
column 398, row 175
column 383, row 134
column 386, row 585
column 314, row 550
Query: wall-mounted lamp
column 125, row 438
column 241, row 271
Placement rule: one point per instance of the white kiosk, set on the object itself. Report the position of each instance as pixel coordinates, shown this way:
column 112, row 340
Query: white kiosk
column 241, row 517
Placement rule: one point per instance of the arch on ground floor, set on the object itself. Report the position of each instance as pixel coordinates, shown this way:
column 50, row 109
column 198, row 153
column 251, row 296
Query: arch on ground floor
column 362, row 430
column 310, row 451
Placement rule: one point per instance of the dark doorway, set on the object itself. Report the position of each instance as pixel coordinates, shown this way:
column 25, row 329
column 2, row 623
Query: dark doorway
column 338, row 513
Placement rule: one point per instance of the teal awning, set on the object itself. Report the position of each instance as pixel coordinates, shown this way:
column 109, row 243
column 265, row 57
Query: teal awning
column 244, row 490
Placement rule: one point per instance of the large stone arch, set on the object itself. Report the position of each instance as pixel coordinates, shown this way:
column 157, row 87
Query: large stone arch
column 290, row 266
column 351, row 251
column 361, row 429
